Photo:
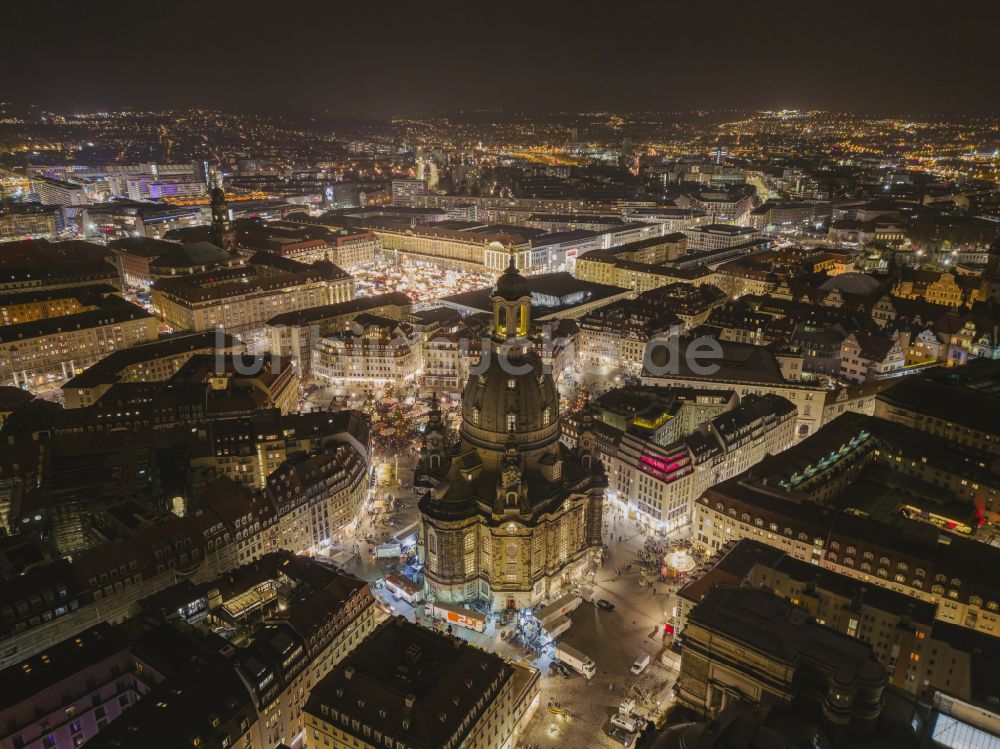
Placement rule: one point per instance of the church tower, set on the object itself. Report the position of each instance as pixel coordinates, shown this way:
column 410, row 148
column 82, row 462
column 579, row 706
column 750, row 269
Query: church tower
column 511, row 515
column 511, row 305
column 222, row 226
column 433, row 452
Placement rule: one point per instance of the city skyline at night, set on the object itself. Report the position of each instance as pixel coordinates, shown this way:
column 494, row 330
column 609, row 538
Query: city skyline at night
column 500, row 376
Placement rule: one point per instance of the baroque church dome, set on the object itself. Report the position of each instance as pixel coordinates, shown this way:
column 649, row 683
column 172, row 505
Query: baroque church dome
column 511, row 398
column 509, row 485
column 498, row 406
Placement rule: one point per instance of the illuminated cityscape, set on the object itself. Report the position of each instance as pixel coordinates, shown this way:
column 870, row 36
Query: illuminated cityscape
column 405, row 378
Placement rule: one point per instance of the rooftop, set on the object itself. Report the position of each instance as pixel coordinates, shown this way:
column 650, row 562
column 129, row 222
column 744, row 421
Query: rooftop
column 771, row 625
column 550, row 293
column 110, row 314
column 412, row 682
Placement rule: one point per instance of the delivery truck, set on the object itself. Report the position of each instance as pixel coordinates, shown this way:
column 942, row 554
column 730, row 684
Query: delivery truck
column 457, row 615
column 576, row 660
column 404, row 588
column 558, row 608
column 640, row 664
column 554, row 627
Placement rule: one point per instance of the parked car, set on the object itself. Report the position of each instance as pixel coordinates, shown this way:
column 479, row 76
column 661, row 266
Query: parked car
column 625, row 722
column 619, row 736
column 605, row 604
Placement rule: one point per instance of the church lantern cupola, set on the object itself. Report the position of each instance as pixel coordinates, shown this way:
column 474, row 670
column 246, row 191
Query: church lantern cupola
column 511, row 305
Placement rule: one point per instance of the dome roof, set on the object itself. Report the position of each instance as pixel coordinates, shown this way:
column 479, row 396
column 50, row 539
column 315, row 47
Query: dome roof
column 494, row 394
column 512, row 285
column 851, row 283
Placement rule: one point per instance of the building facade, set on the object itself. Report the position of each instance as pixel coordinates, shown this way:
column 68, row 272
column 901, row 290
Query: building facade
column 408, row 686
column 243, row 298
column 511, row 516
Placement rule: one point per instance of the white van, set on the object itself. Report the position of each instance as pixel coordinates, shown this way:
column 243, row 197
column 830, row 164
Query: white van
column 625, row 722
column 640, row 664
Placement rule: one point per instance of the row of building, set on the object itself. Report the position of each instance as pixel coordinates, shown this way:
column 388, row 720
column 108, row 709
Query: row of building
column 141, row 509
column 283, row 650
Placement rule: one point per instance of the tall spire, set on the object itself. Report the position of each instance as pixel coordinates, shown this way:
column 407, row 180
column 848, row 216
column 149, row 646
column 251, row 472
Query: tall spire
column 221, row 225
column 434, row 414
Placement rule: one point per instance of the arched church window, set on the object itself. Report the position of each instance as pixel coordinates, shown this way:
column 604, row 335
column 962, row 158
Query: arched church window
column 511, row 422
column 547, row 416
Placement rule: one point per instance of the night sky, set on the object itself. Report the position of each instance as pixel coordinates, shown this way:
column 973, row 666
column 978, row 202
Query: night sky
column 376, row 58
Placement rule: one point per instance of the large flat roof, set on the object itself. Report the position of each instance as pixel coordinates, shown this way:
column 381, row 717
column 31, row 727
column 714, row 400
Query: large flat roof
column 550, row 292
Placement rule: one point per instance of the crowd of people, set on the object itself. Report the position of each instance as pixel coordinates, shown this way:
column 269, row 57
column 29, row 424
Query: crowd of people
column 422, row 282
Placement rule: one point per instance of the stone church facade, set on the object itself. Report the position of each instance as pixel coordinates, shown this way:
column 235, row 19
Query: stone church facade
column 511, row 516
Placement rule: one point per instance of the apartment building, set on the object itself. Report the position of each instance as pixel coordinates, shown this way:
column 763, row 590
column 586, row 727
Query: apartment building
column 918, row 652
column 806, row 508
column 66, row 696
column 305, row 615
column 376, row 353
column 599, row 266
column 295, row 334
column 753, row 645
column 948, row 403
column 30, row 220
column 728, row 207
column 407, row 685
column 243, row 298
column 43, row 353
column 41, row 304
column 660, row 483
column 40, row 265
column 307, row 499
column 619, row 333
column 156, row 361
column 484, row 249
column 59, row 192
column 403, row 190
column 871, row 357
column 712, row 237
column 742, row 367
